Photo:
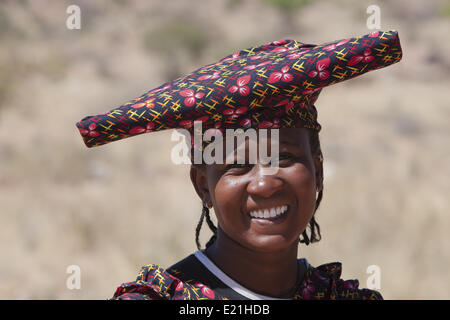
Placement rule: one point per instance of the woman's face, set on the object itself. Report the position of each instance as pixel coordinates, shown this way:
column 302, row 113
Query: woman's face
column 241, row 193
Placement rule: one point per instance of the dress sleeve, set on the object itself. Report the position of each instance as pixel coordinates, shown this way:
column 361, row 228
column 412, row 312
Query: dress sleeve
column 348, row 290
column 137, row 290
column 152, row 283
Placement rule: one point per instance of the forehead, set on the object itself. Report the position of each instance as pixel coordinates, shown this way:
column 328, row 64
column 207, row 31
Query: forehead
column 294, row 137
column 257, row 139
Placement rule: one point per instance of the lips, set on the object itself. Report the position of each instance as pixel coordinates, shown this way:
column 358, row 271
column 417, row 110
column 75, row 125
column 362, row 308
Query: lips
column 269, row 213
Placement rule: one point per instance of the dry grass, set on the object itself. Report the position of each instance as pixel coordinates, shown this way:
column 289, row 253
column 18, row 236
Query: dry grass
column 114, row 208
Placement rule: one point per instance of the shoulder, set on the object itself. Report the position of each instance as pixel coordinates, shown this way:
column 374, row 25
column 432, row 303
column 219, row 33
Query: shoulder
column 152, row 283
column 157, row 283
column 325, row 282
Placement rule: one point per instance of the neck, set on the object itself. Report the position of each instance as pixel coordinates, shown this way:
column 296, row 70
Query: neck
column 273, row 274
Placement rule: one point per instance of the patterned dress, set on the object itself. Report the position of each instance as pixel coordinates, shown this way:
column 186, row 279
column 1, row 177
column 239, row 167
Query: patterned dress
column 189, row 279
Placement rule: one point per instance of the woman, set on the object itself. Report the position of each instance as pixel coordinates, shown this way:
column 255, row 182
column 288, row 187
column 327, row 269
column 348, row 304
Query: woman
column 262, row 215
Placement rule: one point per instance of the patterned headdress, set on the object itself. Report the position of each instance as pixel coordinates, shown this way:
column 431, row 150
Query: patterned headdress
column 270, row 86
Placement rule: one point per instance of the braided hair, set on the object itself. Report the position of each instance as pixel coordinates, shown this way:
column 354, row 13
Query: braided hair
column 314, row 227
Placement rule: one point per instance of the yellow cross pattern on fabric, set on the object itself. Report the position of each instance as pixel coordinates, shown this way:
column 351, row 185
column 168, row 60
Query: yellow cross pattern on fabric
column 274, row 88
column 294, row 88
column 278, row 60
column 385, row 33
column 340, row 75
column 256, row 116
column 336, row 68
column 198, row 105
column 211, row 107
column 164, row 112
column 260, row 93
column 163, row 105
column 298, row 67
column 353, row 69
column 301, row 114
column 387, row 58
column 211, row 90
column 341, row 56
column 166, row 96
column 257, row 84
column 132, row 114
column 249, row 51
column 307, row 84
column 319, row 54
column 113, row 136
column 254, row 104
column 355, row 41
column 182, row 84
column 287, row 122
column 262, row 73
column 363, row 68
column 229, row 101
column 199, row 87
column 175, row 105
column 241, row 72
column 155, row 114
column 219, row 82
column 217, row 117
column 319, row 295
column 115, row 112
column 107, row 127
column 226, row 72
column 381, row 50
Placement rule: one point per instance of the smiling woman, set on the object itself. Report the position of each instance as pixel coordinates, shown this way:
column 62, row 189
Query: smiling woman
column 273, row 196
column 262, row 215
column 267, row 215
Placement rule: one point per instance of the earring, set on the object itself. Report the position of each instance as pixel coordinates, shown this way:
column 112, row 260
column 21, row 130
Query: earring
column 320, row 157
column 205, row 209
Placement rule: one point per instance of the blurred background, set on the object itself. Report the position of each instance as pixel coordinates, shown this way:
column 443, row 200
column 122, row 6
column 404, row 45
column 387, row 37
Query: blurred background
column 112, row 209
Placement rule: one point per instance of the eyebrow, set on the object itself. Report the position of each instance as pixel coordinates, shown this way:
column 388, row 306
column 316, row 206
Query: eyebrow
column 291, row 143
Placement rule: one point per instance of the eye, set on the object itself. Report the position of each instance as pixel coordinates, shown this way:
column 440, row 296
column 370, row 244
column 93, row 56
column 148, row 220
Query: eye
column 239, row 165
column 286, row 158
column 238, row 168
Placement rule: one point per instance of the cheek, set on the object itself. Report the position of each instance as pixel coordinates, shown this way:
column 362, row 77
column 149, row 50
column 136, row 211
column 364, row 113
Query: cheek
column 228, row 195
column 301, row 180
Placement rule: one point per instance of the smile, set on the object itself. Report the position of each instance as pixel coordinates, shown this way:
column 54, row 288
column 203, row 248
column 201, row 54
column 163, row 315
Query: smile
column 269, row 213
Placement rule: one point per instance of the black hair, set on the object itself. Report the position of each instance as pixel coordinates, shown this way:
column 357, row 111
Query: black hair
column 314, row 227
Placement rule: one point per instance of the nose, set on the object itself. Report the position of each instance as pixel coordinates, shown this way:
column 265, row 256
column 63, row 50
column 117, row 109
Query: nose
column 265, row 186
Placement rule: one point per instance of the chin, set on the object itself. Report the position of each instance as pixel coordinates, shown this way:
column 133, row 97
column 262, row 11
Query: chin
column 271, row 243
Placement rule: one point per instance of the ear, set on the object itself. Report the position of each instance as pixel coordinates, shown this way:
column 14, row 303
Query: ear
column 199, row 181
column 318, row 164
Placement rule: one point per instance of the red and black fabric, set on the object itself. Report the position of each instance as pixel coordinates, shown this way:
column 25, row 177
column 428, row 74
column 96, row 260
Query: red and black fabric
column 157, row 283
column 274, row 85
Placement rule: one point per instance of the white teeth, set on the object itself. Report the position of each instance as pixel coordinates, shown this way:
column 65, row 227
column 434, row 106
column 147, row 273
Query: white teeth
column 269, row 213
column 273, row 213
